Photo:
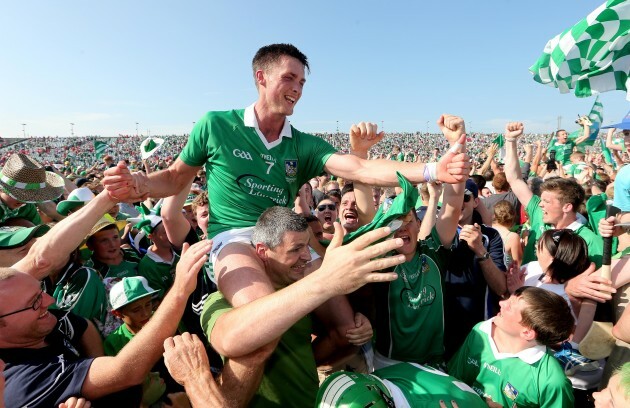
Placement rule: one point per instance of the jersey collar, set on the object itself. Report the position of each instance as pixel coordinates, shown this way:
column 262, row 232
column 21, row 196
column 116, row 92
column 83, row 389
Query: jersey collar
column 530, row 355
column 249, row 119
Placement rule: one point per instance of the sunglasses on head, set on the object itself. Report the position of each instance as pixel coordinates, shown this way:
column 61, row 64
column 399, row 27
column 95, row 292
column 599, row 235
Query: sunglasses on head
column 324, row 207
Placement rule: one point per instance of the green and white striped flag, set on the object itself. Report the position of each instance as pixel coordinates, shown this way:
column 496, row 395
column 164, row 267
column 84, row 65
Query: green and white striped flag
column 596, row 116
column 99, row 149
column 592, row 56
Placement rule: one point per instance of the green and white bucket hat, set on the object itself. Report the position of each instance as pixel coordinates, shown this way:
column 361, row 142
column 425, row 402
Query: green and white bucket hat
column 128, row 290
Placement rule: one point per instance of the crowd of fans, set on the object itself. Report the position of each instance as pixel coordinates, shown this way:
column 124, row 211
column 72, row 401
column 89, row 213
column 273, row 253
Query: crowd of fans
column 420, row 275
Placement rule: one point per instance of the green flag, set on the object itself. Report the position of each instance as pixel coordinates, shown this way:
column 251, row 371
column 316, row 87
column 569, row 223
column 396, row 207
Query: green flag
column 596, row 117
column 390, row 210
column 590, row 57
column 606, row 153
column 499, row 140
column 99, row 149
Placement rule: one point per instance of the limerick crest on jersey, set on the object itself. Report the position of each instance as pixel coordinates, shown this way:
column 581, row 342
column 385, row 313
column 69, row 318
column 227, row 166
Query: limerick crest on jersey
column 290, row 169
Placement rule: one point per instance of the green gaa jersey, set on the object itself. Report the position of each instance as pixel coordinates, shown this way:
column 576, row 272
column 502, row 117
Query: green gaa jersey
column 594, row 242
column 530, row 378
column 410, row 309
column 245, row 173
column 159, row 273
column 563, row 151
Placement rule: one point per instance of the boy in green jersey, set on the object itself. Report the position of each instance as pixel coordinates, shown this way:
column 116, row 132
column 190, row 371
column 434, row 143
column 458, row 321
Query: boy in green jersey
column 506, row 359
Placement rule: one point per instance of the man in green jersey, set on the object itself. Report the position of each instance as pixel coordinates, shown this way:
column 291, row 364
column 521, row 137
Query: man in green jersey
column 256, row 159
column 278, row 326
column 562, row 147
column 507, row 359
column 556, row 207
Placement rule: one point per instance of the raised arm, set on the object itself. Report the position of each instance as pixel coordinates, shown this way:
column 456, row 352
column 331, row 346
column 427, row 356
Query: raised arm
column 176, row 225
column 513, row 131
column 453, row 167
column 51, row 251
column 492, row 150
column 586, row 123
column 360, row 144
column 430, row 217
column 110, row 374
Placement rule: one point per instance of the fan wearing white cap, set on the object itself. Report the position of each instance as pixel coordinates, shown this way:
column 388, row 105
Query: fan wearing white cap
column 132, row 302
column 23, row 182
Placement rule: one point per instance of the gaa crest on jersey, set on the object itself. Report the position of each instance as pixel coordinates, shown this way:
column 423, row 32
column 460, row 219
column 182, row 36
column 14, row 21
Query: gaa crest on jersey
column 290, row 169
column 510, row 391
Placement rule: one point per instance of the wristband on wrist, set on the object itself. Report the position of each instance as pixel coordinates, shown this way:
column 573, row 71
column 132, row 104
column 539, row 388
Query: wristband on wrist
column 510, row 139
column 430, row 172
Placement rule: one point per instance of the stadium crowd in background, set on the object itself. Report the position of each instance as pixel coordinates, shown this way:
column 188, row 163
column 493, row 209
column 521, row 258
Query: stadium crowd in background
column 211, row 271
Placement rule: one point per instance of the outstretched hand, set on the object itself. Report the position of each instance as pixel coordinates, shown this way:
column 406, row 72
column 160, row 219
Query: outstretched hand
column 363, row 136
column 122, row 186
column 193, row 258
column 454, row 167
column 348, row 267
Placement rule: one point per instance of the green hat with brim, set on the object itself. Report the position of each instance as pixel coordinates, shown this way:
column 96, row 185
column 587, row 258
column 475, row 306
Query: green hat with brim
column 128, row 290
column 149, row 146
column 14, row 237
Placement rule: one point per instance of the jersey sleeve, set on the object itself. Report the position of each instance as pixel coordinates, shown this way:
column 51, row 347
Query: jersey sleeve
column 314, row 153
column 195, row 153
column 457, row 363
column 215, row 306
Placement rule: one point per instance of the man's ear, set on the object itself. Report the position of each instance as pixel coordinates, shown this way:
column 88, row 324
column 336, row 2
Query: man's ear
column 117, row 314
column 260, row 78
column 528, row 334
column 261, row 251
column 567, row 208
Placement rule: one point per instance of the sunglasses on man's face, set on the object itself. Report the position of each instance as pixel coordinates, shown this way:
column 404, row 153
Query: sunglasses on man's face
column 324, row 207
column 467, row 197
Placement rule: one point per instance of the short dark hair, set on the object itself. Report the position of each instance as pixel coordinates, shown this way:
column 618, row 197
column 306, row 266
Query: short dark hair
column 547, row 313
column 271, row 54
column 560, row 130
column 348, row 187
column 479, row 180
column 273, row 223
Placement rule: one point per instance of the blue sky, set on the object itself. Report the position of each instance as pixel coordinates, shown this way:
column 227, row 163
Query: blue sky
column 106, row 65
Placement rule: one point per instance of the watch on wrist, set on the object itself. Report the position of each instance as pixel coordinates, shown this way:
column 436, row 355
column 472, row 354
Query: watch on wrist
column 484, row 257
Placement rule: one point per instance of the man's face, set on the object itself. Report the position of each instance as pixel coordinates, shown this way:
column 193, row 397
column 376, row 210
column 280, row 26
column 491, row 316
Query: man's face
column 348, row 215
column 316, row 228
column 106, row 246
column 562, row 136
column 408, row 232
column 282, row 84
column 9, row 257
column 467, row 209
column 202, row 215
column 332, row 186
column 286, row 262
column 159, row 237
column 376, row 197
column 137, row 314
column 552, row 207
column 29, row 327
column 10, row 202
column 327, row 214
column 509, row 318
column 190, row 216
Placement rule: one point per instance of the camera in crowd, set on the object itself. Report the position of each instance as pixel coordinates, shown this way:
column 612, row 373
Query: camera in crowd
column 551, row 163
